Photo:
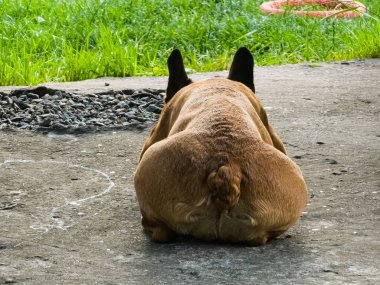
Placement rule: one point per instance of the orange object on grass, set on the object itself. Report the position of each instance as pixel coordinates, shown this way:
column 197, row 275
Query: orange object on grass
column 338, row 8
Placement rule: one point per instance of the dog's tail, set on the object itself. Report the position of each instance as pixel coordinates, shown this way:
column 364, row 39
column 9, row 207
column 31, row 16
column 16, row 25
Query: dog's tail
column 224, row 185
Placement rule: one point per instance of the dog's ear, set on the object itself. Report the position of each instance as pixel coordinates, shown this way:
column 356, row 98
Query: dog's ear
column 177, row 75
column 242, row 68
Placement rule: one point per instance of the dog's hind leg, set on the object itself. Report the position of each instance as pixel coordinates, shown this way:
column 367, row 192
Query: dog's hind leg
column 258, row 241
column 156, row 230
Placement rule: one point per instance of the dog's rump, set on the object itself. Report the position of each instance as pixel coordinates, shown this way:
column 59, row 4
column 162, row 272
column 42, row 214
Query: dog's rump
column 184, row 167
column 194, row 190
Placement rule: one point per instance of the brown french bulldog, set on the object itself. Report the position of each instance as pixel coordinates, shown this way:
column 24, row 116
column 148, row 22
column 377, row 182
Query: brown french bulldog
column 213, row 167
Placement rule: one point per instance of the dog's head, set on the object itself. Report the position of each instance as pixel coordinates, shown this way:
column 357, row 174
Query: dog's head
column 241, row 71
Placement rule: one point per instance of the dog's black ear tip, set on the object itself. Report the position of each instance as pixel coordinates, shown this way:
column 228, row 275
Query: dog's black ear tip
column 176, row 51
column 244, row 52
column 175, row 54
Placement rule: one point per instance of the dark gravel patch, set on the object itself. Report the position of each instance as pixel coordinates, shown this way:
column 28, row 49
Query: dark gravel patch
column 45, row 109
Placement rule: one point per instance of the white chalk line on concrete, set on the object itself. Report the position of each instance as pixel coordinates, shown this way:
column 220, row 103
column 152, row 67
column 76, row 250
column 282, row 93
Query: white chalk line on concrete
column 58, row 222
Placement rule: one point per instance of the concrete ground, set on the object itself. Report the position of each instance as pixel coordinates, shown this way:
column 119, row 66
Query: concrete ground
column 68, row 212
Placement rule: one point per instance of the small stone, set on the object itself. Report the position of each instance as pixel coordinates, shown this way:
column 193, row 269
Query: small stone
column 120, row 111
column 23, row 105
column 153, row 109
column 32, row 96
column 46, row 97
column 98, row 123
column 79, row 105
column 331, row 161
column 23, row 97
column 24, row 126
column 17, row 119
column 55, row 97
column 59, row 126
column 9, row 100
column 45, row 122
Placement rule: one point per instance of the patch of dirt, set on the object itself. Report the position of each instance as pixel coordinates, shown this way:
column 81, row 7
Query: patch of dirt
column 68, row 212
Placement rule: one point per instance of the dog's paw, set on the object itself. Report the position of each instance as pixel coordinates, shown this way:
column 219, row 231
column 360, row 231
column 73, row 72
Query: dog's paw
column 161, row 235
column 157, row 231
column 258, row 241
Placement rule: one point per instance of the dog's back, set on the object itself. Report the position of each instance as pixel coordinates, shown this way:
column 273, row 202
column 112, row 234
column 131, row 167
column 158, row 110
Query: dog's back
column 213, row 168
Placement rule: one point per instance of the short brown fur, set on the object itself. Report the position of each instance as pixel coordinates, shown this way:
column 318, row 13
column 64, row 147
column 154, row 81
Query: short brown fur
column 214, row 168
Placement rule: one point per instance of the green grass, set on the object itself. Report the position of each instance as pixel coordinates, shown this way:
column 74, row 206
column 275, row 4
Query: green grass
column 45, row 40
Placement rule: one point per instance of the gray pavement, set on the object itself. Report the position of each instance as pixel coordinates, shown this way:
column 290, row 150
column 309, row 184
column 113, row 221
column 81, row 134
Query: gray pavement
column 68, row 212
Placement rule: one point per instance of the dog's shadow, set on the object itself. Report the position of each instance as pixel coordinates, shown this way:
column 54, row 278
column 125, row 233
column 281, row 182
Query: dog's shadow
column 186, row 241
column 199, row 260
